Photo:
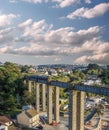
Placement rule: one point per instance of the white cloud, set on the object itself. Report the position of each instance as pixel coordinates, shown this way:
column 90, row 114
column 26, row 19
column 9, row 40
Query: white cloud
column 68, row 41
column 66, row 36
column 65, row 3
column 93, row 46
column 13, row 1
column 33, row 1
column 7, row 36
column 26, row 23
column 36, row 30
column 34, row 49
column 88, row 1
column 6, row 19
column 40, row 33
column 40, row 39
column 5, row 49
column 102, row 58
column 98, row 10
column 59, row 3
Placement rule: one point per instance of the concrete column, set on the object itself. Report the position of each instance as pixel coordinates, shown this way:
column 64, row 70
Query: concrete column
column 80, row 110
column 49, row 104
column 29, row 86
column 43, row 97
column 37, row 85
column 72, row 110
column 56, row 104
column 25, row 82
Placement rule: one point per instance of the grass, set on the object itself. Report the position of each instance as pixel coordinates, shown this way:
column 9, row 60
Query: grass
column 59, row 78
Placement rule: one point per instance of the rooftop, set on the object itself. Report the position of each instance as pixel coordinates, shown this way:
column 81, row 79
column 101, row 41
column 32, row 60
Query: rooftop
column 31, row 113
column 4, row 119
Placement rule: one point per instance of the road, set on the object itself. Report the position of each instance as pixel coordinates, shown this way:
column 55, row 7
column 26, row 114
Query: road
column 58, row 127
column 105, row 118
column 63, row 125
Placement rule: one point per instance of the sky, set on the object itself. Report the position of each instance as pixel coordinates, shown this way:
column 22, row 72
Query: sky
column 38, row 32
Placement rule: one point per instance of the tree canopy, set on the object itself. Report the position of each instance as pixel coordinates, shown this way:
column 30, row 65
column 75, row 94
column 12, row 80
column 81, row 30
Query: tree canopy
column 11, row 85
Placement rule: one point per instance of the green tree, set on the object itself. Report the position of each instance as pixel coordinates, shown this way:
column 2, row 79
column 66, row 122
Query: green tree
column 105, row 76
column 77, row 77
column 11, row 85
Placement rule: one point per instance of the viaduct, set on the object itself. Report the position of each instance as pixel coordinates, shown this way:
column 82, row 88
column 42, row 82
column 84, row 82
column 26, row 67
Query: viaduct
column 76, row 99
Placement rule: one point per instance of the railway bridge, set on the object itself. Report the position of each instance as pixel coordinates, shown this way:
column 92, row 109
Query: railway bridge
column 76, row 98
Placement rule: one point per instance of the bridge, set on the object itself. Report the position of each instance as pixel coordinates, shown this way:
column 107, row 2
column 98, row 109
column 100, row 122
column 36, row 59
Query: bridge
column 76, row 98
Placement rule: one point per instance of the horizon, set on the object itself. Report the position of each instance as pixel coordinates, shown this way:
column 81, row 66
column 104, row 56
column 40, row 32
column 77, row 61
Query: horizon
column 54, row 64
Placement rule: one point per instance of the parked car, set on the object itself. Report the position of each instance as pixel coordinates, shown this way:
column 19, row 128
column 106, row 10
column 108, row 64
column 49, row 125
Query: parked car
column 54, row 123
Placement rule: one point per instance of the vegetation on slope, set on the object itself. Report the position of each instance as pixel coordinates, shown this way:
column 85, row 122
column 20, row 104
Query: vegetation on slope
column 11, row 87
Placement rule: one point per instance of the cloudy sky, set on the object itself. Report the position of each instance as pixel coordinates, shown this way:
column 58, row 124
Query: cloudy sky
column 54, row 31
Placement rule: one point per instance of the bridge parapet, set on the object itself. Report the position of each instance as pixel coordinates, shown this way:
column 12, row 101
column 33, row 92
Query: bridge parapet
column 59, row 84
column 92, row 89
column 45, row 80
column 81, row 87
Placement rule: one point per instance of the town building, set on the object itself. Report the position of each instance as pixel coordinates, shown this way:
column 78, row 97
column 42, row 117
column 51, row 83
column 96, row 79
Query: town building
column 5, row 122
column 28, row 118
column 3, row 127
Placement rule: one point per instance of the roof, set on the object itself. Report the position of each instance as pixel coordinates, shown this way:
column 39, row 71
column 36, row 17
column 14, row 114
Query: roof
column 31, row 113
column 4, row 119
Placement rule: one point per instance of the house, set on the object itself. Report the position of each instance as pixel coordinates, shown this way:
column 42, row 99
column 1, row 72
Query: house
column 93, row 81
column 3, row 127
column 5, row 120
column 89, row 82
column 32, row 70
column 28, row 118
column 46, row 73
column 62, row 101
column 52, row 72
column 66, row 71
column 64, row 107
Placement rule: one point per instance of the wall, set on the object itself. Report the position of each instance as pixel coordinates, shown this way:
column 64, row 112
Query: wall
column 23, row 119
column 3, row 127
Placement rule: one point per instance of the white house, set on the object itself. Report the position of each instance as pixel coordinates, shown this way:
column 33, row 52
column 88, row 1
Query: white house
column 3, row 127
column 62, row 101
column 28, row 118
column 93, row 81
column 64, row 107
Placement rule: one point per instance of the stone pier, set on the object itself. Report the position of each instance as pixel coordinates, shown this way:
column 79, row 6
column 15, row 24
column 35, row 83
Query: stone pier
column 56, row 104
column 76, row 110
column 49, row 101
column 49, row 104
column 80, row 111
column 37, row 86
column 25, row 82
column 72, row 110
column 30, row 86
column 43, row 97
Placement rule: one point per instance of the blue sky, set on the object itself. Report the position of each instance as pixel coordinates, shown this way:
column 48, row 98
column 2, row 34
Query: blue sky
column 54, row 31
